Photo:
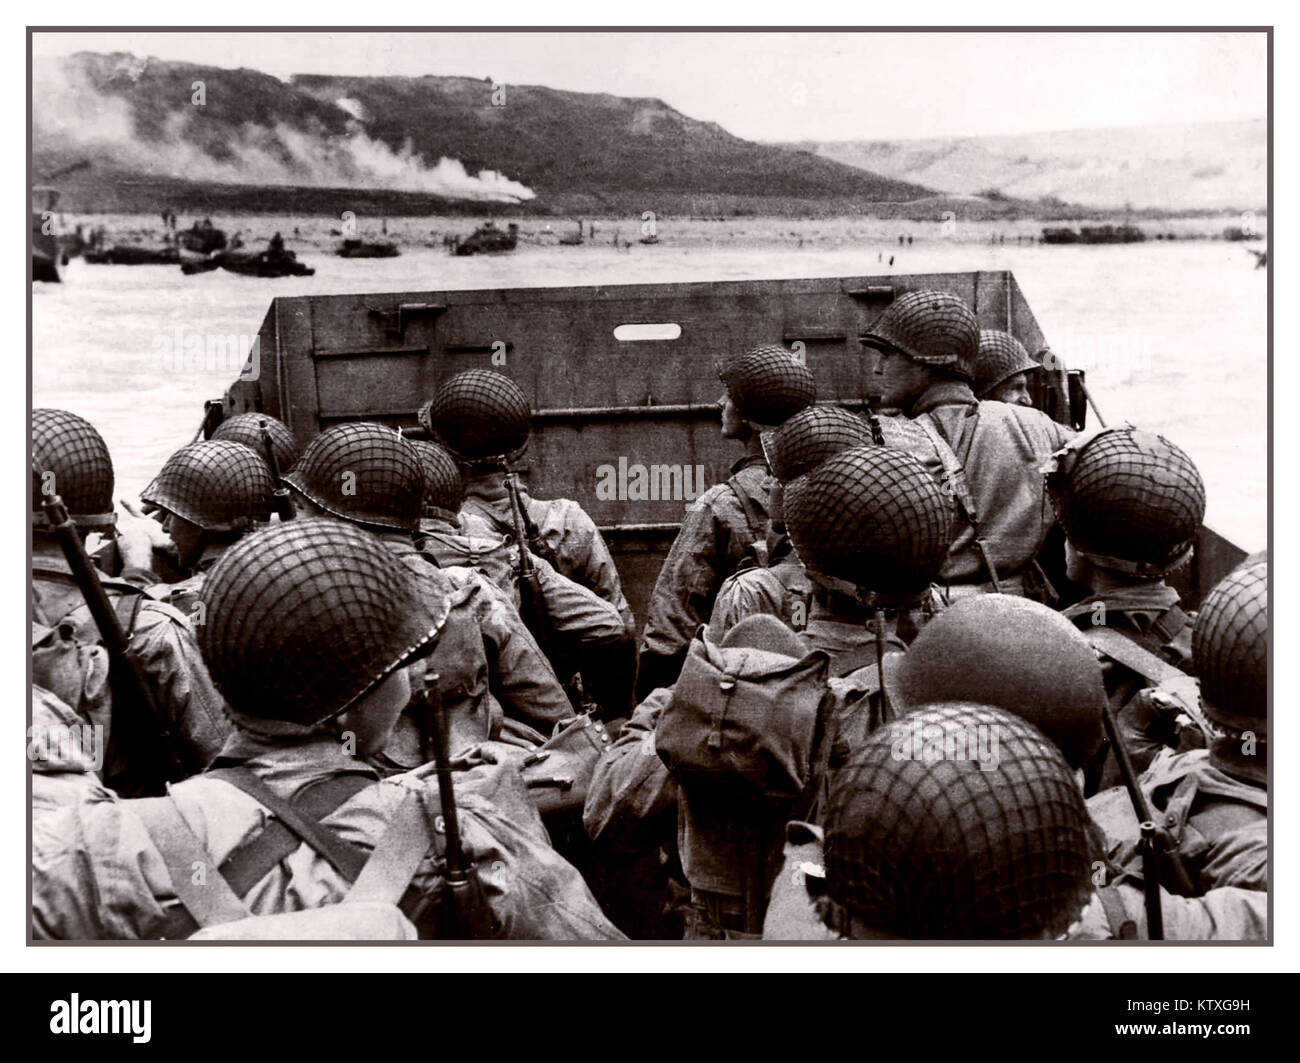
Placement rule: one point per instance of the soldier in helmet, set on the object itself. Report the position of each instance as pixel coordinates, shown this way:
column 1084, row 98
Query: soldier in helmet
column 764, row 387
column 209, row 494
column 369, row 475
column 988, row 453
column 246, row 428
column 872, row 528
column 1131, row 504
column 581, row 629
column 1015, row 655
column 1212, row 803
column 1002, row 368
column 70, row 459
column 984, row 837
column 484, row 419
column 316, row 635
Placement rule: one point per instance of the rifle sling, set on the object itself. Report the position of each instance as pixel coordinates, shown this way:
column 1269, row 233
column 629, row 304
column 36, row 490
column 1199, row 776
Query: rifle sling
column 1123, row 650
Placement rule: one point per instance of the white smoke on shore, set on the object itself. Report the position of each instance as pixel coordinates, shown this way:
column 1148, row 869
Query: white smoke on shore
column 71, row 116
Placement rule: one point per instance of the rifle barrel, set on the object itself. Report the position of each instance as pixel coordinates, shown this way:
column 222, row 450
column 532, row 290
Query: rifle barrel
column 125, row 669
column 455, row 856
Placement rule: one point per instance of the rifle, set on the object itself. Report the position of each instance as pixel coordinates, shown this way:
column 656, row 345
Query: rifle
column 533, row 609
column 465, row 914
column 1147, row 827
column 130, row 686
column 283, row 500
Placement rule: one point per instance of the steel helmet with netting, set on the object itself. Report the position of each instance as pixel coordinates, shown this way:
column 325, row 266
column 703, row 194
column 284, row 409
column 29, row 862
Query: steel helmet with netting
column 957, row 821
column 246, row 428
column 70, row 459
column 444, row 490
column 872, row 517
column 479, row 414
column 362, row 472
column 302, row 619
column 1128, row 499
column 217, row 485
column 931, row 327
column 1001, row 356
column 767, row 384
column 1230, row 649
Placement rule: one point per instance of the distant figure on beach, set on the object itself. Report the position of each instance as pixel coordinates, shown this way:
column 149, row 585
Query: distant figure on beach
column 909, row 241
column 276, row 247
column 891, row 260
column 900, row 241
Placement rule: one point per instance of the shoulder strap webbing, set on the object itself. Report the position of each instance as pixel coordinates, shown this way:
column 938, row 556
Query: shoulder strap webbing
column 1122, row 649
column 209, row 901
column 1121, row 926
column 1169, row 624
column 757, row 525
column 248, row 864
column 394, row 861
column 958, row 487
column 346, row 859
column 954, row 472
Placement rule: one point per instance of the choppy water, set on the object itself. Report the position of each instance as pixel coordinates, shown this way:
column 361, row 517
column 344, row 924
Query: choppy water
column 1173, row 335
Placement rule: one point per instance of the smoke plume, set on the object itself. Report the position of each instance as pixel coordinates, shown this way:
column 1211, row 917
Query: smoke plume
column 72, row 116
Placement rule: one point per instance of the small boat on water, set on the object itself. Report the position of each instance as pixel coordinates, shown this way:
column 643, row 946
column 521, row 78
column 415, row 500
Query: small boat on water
column 263, row 264
column 353, row 248
column 487, row 240
column 1095, row 234
column 202, row 238
column 47, row 253
column 134, row 255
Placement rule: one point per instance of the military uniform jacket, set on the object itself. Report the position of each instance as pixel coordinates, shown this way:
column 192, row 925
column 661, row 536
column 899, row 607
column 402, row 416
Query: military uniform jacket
column 574, row 611
column 564, row 527
column 782, row 589
column 163, row 643
column 96, row 872
column 717, row 531
column 489, row 665
column 1219, row 822
column 1002, row 448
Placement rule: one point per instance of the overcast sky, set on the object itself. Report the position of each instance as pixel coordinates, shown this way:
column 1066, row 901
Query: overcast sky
column 794, row 86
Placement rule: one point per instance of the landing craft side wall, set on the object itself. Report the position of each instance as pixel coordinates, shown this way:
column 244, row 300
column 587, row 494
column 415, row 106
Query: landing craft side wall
column 597, row 398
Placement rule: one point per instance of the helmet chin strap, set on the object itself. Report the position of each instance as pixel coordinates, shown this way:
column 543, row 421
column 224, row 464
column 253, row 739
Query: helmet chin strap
column 874, row 600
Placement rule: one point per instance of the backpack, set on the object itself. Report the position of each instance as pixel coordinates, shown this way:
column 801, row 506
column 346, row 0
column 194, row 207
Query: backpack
column 378, row 902
column 73, row 670
column 744, row 721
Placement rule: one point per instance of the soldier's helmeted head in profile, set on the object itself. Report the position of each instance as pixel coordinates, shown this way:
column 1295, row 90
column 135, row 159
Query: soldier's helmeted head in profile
column 764, row 387
column 1002, row 368
column 209, row 494
column 922, row 338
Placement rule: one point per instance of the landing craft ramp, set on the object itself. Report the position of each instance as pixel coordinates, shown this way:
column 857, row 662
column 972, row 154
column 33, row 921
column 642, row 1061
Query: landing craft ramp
column 613, row 372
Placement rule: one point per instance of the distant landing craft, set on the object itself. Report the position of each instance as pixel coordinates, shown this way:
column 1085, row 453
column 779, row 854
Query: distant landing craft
column 49, row 252
column 488, row 240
